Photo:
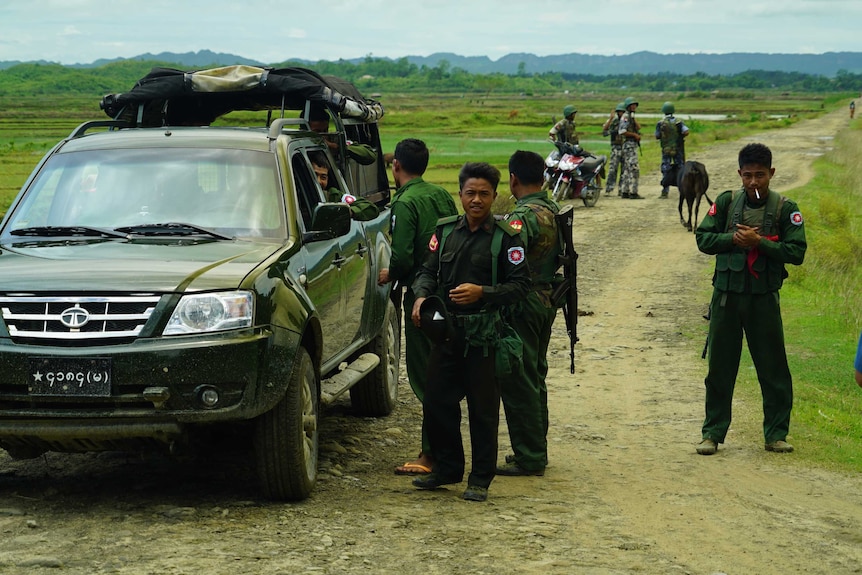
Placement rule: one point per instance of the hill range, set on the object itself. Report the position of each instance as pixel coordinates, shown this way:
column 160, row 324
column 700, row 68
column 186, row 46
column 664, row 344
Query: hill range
column 828, row 64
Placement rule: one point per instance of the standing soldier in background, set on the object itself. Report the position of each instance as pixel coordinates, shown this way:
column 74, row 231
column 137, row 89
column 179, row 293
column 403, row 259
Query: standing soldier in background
column 415, row 209
column 630, row 131
column 612, row 128
column 671, row 132
column 525, row 397
column 753, row 233
column 852, row 109
column 564, row 131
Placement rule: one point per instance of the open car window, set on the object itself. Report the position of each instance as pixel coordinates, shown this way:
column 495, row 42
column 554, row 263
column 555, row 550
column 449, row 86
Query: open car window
column 308, row 192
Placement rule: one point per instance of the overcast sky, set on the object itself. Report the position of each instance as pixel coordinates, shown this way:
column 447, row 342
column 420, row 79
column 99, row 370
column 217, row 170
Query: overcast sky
column 270, row 31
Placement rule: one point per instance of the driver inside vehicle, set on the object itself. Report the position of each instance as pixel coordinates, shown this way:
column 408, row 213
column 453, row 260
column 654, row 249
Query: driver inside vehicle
column 360, row 208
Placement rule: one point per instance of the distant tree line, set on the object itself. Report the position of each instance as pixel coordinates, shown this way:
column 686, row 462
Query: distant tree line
column 385, row 71
column 380, row 75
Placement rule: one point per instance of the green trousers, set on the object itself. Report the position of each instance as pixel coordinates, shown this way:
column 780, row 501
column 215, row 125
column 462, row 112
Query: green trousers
column 525, row 396
column 759, row 317
column 418, row 350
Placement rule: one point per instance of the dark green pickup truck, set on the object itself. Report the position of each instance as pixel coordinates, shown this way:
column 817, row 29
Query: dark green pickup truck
column 164, row 270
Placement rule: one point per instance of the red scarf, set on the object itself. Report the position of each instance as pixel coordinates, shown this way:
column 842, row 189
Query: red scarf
column 754, row 253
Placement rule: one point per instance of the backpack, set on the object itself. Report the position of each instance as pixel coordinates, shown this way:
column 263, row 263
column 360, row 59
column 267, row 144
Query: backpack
column 669, row 130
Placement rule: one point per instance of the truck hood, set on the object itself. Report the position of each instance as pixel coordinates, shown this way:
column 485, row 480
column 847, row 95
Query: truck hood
column 164, row 265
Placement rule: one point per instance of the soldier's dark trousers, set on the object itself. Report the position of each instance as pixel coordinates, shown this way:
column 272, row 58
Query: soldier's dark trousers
column 525, row 396
column 452, row 376
column 417, row 352
column 759, row 317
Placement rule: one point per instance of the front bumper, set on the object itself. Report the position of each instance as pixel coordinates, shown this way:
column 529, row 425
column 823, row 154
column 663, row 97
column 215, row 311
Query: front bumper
column 157, row 387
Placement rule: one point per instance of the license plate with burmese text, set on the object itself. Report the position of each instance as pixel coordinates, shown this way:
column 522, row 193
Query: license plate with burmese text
column 70, row 376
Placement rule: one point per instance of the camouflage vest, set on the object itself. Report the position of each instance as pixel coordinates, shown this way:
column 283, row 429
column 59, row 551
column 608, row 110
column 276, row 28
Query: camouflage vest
column 565, row 132
column 614, row 129
column 629, row 124
column 544, row 248
column 670, row 132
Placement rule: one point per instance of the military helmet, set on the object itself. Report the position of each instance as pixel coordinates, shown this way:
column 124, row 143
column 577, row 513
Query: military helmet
column 621, row 107
column 629, row 101
column 434, row 320
column 667, row 108
column 569, row 110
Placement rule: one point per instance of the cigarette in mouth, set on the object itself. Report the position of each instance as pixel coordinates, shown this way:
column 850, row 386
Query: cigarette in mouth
column 757, row 193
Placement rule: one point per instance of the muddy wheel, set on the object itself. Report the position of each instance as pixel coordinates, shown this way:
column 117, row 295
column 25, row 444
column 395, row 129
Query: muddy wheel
column 562, row 191
column 591, row 194
column 377, row 393
column 286, row 437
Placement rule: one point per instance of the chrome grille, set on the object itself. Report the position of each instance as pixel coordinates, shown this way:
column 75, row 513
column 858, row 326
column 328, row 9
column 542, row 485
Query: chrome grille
column 72, row 318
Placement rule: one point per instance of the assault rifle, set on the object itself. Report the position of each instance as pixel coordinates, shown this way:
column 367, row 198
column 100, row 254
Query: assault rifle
column 566, row 293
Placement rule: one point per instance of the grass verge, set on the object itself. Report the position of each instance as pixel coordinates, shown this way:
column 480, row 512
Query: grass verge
column 822, row 311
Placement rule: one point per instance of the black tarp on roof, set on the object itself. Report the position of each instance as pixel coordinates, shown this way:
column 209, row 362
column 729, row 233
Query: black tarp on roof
column 173, row 97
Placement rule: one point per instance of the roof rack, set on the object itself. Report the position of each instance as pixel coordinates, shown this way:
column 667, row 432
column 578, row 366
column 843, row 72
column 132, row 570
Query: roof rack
column 279, row 123
column 112, row 124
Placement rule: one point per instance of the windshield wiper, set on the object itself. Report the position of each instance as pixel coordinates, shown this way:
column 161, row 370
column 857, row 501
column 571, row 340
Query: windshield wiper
column 170, row 229
column 56, row 231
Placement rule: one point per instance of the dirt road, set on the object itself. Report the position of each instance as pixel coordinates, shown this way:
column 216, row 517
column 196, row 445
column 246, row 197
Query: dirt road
column 624, row 493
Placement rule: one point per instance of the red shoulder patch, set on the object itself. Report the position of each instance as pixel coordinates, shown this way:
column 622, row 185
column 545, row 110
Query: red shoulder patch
column 516, row 225
column 711, row 211
column 433, row 244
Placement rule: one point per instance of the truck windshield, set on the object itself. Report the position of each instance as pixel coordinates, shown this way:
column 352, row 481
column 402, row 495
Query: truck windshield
column 234, row 192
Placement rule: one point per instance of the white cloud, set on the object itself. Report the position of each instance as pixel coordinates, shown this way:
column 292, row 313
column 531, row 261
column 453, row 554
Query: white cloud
column 70, row 31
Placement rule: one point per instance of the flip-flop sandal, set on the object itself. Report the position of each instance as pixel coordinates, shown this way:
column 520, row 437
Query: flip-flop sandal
column 412, row 469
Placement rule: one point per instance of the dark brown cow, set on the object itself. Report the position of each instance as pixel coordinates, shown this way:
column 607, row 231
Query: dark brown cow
column 692, row 183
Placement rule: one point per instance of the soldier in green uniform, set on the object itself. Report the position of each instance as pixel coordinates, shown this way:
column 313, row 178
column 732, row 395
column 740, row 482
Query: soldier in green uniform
column 565, row 131
column 671, row 132
column 318, row 121
column 360, row 208
column 415, row 209
column 476, row 265
column 753, row 233
column 525, row 398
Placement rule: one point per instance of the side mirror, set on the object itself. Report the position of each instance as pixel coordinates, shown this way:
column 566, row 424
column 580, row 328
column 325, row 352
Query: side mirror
column 329, row 221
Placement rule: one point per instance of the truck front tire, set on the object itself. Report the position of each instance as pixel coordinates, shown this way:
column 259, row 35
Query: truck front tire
column 286, row 437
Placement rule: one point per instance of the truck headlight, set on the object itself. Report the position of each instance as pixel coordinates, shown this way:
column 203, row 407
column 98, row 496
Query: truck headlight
column 218, row 311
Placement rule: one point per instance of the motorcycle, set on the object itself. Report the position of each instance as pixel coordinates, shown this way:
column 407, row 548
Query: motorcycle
column 571, row 173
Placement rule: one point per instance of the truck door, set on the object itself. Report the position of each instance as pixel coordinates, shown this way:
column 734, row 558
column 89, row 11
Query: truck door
column 319, row 264
column 353, row 250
